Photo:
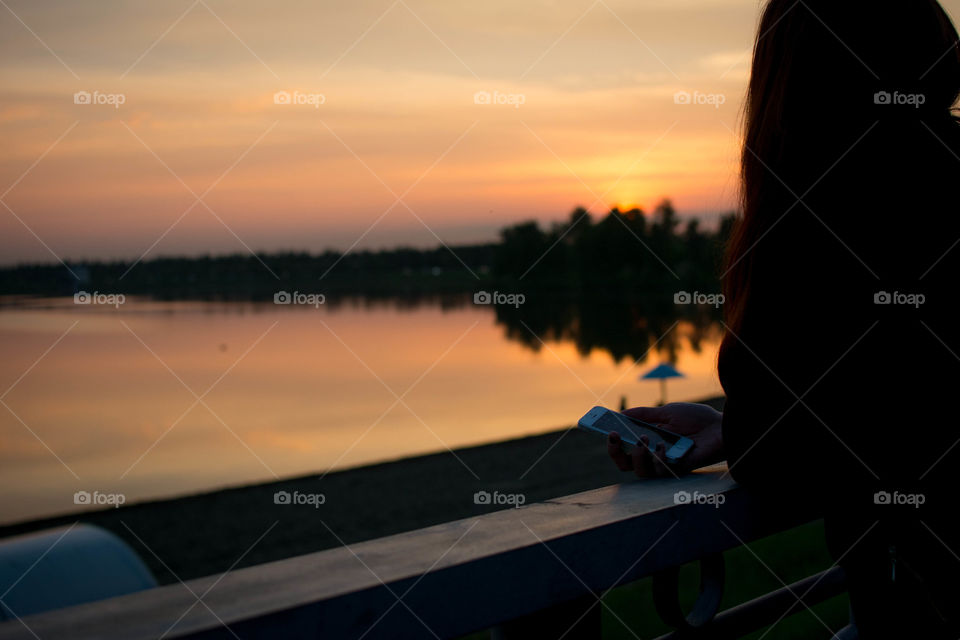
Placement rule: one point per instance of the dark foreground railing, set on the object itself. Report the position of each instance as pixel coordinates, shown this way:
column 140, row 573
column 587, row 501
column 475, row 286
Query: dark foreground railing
column 531, row 572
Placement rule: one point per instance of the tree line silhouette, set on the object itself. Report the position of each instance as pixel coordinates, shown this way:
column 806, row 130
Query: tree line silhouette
column 623, row 255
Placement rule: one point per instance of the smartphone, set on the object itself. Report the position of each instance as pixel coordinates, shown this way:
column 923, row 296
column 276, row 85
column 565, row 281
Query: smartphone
column 602, row 420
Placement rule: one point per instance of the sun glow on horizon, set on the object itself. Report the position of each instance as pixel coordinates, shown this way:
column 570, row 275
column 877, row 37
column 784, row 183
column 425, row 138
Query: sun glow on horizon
column 388, row 145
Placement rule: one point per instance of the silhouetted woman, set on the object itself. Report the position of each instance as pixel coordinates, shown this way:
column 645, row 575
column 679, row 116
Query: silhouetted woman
column 841, row 360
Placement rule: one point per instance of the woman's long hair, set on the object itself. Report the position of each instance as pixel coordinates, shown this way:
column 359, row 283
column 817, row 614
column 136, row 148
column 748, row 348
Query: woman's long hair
column 822, row 71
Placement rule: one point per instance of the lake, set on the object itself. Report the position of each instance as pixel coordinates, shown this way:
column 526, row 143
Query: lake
column 158, row 399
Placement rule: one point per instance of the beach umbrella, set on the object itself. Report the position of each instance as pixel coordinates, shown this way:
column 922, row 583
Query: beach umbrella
column 661, row 372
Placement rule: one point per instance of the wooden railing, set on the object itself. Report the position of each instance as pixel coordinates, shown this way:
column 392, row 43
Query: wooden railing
column 530, row 572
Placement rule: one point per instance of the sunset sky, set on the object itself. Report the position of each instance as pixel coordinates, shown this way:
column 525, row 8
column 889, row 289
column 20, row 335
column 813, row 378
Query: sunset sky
column 598, row 125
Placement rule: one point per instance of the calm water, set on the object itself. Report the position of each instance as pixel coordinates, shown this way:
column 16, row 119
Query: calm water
column 106, row 399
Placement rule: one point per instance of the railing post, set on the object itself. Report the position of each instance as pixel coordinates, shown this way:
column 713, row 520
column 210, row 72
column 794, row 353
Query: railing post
column 574, row 620
column 666, row 595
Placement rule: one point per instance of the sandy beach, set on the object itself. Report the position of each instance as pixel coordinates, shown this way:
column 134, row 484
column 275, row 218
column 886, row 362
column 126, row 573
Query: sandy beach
column 207, row 533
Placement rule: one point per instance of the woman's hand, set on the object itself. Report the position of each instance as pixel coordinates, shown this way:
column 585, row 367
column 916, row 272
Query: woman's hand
column 698, row 422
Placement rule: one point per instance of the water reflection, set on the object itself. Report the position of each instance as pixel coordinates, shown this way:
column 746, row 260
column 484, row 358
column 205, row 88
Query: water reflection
column 625, row 330
column 102, row 398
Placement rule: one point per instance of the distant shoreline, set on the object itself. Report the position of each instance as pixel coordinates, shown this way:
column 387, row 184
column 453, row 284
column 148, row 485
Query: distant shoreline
column 593, row 252
column 205, row 533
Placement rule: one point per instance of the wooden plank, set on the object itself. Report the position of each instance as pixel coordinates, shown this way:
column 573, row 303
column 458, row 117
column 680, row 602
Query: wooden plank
column 453, row 578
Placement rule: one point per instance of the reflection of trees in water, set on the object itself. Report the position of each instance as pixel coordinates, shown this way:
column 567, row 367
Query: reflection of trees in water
column 624, row 329
column 406, row 302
